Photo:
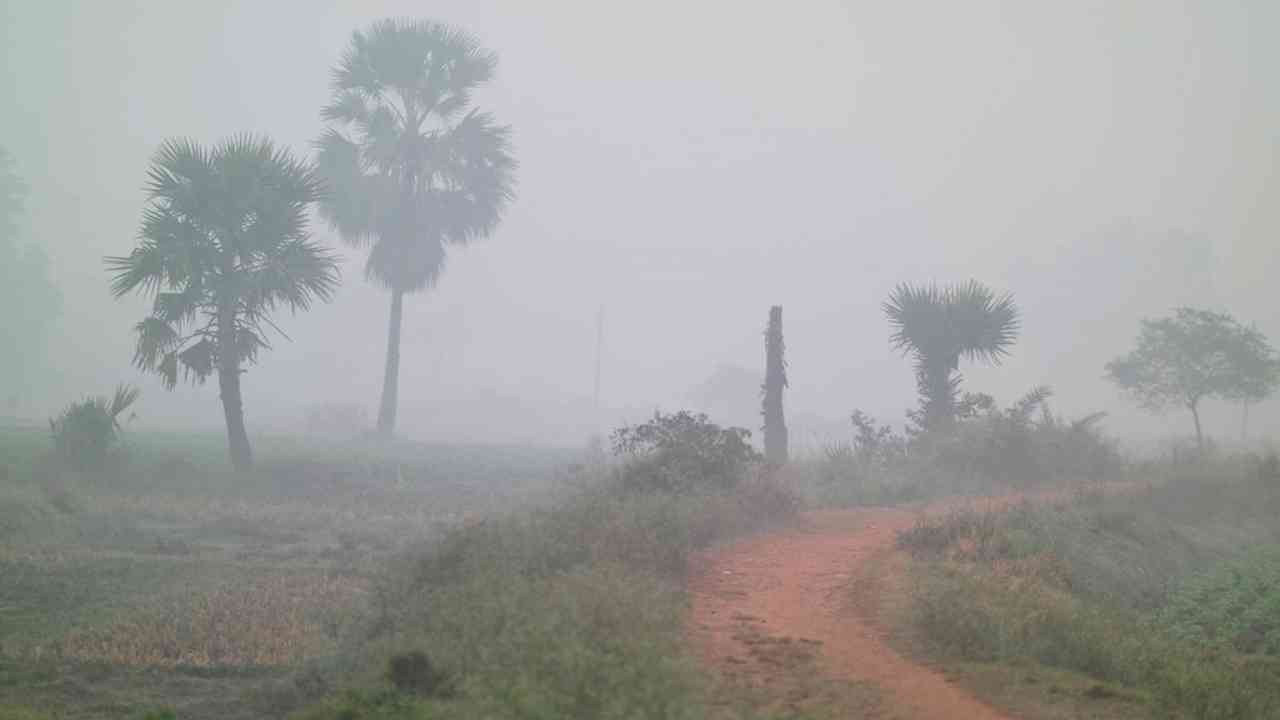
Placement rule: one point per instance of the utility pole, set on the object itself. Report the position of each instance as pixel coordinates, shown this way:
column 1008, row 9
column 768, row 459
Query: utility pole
column 599, row 355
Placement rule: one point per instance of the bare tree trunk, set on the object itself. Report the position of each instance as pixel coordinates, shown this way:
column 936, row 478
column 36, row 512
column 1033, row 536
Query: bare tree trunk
column 1195, row 415
column 1244, row 421
column 775, row 379
column 233, row 411
column 391, row 375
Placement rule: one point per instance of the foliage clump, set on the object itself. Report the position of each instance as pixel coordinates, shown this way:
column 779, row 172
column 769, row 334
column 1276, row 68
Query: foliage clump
column 1236, row 604
column 683, row 451
column 1022, row 445
column 413, row 672
column 87, row 430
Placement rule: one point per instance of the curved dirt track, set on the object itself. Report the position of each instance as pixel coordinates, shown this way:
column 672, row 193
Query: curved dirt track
column 763, row 604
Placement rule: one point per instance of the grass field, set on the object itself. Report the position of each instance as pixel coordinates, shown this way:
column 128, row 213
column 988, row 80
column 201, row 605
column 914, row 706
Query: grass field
column 1156, row 603
column 173, row 582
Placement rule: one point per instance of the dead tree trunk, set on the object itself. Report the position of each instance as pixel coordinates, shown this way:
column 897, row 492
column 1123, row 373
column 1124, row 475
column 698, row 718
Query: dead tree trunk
column 775, row 379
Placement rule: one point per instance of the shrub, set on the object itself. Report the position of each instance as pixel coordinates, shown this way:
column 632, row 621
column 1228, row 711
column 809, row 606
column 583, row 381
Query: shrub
column 87, row 430
column 1022, row 445
column 1074, row 587
column 681, row 451
column 413, row 672
column 1237, row 604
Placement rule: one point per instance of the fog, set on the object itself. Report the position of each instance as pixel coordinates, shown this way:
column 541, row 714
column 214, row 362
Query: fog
column 682, row 168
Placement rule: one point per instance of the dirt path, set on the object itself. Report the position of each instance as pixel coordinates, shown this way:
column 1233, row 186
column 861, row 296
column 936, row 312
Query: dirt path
column 760, row 605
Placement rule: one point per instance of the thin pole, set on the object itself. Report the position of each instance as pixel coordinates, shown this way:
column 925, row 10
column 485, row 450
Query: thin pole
column 599, row 355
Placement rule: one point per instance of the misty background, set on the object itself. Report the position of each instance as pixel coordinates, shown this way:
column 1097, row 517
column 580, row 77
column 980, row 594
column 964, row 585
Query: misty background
column 684, row 166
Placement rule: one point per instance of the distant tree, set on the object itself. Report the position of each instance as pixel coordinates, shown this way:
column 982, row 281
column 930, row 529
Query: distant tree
column 775, row 380
column 13, row 195
column 1196, row 354
column 939, row 326
column 24, row 283
column 224, row 243
column 413, row 167
column 730, row 392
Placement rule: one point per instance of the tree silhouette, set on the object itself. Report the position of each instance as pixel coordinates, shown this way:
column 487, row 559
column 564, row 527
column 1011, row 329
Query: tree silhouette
column 25, row 283
column 938, row 327
column 224, row 243
column 1193, row 355
column 413, row 167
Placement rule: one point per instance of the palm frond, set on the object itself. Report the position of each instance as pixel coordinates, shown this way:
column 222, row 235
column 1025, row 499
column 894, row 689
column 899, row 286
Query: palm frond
column 412, row 169
column 984, row 326
column 123, row 399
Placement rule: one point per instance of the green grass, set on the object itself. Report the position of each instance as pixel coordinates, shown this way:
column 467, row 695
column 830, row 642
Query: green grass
column 170, row 581
column 1153, row 593
column 570, row 611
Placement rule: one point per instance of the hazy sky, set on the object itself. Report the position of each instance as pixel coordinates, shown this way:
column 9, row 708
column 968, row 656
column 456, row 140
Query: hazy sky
column 686, row 165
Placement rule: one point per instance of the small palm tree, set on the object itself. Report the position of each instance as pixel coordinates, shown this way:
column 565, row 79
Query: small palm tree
column 85, row 431
column 224, row 243
column 937, row 327
column 413, row 167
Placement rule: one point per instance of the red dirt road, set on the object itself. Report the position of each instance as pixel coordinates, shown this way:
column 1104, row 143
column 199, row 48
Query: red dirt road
column 795, row 590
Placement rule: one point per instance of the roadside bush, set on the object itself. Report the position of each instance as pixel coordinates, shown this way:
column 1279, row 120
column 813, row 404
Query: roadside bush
column 87, row 430
column 1020, row 446
column 683, row 451
column 1085, row 586
column 1236, row 604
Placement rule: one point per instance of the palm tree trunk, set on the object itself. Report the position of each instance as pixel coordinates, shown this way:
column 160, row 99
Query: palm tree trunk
column 1195, row 415
column 938, row 390
column 391, row 375
column 233, row 410
column 775, row 379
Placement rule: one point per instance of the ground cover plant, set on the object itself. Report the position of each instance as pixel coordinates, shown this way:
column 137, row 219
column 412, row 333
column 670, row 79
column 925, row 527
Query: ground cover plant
column 169, row 581
column 571, row 610
column 1164, row 595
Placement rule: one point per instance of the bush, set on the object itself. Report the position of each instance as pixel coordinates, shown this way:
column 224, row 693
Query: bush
column 1080, row 587
column 1019, row 446
column 413, row 672
column 682, row 451
column 89, row 429
column 1237, row 605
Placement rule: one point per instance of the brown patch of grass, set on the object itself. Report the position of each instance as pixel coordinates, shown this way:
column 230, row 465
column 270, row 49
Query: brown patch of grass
column 274, row 621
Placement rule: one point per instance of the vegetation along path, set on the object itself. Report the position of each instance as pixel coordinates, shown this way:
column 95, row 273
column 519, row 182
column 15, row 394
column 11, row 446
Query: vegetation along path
column 762, row 602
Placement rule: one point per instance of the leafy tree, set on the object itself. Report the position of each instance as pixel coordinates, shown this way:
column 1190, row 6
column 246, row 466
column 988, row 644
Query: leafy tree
column 413, row 167
column 25, row 284
column 938, row 327
column 1196, row 354
column 224, row 243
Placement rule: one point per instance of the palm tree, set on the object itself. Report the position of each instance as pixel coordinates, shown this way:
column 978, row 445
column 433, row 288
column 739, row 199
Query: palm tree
column 13, row 194
column 940, row 326
column 224, row 242
column 413, row 167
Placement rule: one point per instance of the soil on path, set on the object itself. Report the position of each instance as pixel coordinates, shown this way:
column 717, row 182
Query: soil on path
column 765, row 605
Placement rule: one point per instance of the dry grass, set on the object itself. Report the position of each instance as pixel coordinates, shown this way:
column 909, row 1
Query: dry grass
column 276, row 621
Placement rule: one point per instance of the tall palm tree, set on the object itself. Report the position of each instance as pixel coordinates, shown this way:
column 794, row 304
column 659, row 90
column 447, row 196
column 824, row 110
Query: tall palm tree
column 224, row 242
column 414, row 168
column 937, row 327
column 13, row 193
